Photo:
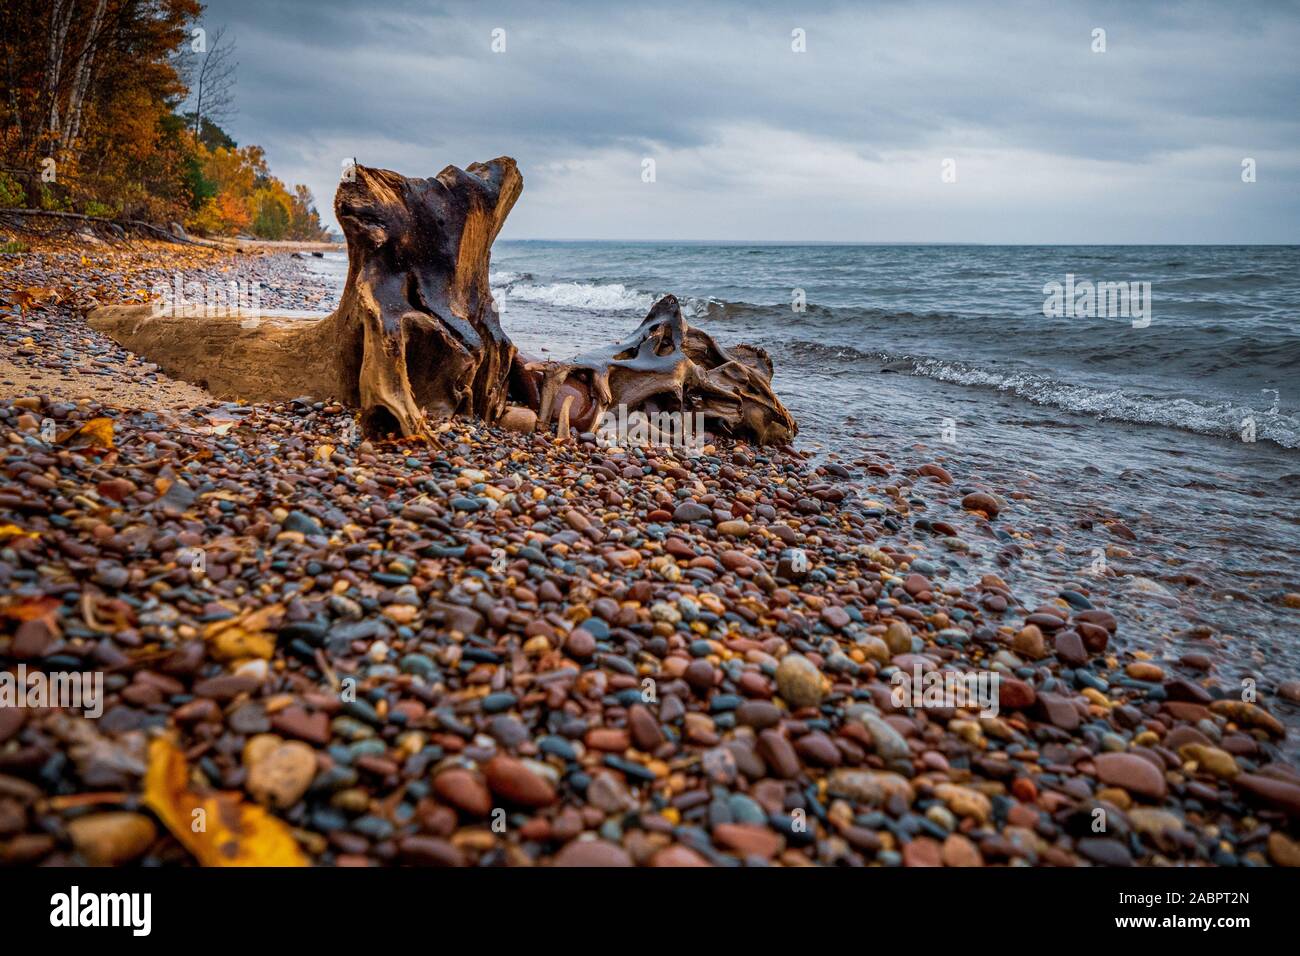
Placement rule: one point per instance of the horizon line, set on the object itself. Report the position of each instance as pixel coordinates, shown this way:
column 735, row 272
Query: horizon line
column 902, row 242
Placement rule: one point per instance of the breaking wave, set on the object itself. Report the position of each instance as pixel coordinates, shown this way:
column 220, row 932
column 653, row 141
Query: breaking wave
column 1222, row 419
column 587, row 296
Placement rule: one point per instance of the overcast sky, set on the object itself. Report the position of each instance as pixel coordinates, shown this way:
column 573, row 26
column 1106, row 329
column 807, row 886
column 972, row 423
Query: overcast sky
column 847, row 141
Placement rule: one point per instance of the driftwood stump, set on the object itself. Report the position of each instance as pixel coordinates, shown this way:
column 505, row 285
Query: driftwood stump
column 416, row 336
column 666, row 366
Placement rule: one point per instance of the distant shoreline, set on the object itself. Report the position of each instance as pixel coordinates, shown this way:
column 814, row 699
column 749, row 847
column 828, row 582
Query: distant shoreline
column 779, row 243
column 276, row 245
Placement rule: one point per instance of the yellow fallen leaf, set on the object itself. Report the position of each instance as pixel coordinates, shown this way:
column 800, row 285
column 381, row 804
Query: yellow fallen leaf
column 13, row 531
column 33, row 608
column 245, row 636
column 96, row 433
column 238, row 644
column 221, row 828
column 323, row 452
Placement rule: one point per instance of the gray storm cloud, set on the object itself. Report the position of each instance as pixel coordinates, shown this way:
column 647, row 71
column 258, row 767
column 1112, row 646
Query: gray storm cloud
column 1050, row 141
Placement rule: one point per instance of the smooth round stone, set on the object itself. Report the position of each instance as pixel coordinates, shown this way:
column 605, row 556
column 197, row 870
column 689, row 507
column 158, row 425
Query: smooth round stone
column 1131, row 772
column 699, row 675
column 363, row 710
column 645, row 731
column 744, row 809
column 678, row 856
column 334, row 779
column 303, row 523
column 1089, row 679
column 1105, row 851
column 980, row 501
column 836, row 617
column 779, row 755
column 279, row 771
column 596, row 627
column 1076, row 600
column 508, row 731
column 424, row 850
column 113, row 838
column 463, row 790
column 722, row 703
column 942, row 816
column 558, row 747
column 959, row 850
column 733, row 529
column 1113, row 743
column 1144, row 671
column 799, row 682
column 496, row 703
column 923, row 851
column 377, row 828
column 112, row 575
column 580, row 644
column 514, row 781
column 593, row 853
column 1029, row 643
column 689, row 511
column 759, row 714
column 662, row 611
column 419, row 664
column 898, row 638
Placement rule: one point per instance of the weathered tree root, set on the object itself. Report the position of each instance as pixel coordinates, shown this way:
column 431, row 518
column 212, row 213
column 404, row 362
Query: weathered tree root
column 416, row 336
column 417, row 288
column 666, row 366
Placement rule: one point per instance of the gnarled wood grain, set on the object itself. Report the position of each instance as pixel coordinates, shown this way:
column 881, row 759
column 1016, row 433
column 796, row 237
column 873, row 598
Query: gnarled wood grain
column 416, row 336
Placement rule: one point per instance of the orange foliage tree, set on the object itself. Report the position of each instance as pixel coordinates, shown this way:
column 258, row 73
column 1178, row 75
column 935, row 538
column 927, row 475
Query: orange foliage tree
column 89, row 93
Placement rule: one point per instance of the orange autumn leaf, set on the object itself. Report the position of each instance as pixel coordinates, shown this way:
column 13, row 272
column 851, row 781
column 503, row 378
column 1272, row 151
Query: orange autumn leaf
column 220, row 829
column 245, row 636
column 96, row 433
column 33, row 296
column 263, row 619
column 32, row 609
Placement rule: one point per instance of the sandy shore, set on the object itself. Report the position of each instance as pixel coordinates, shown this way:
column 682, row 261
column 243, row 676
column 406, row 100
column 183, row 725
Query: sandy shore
column 51, row 288
column 277, row 245
column 509, row 650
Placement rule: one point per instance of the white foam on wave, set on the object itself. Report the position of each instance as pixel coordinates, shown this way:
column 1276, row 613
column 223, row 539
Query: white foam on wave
column 1224, row 419
column 508, row 285
column 590, row 296
column 586, row 296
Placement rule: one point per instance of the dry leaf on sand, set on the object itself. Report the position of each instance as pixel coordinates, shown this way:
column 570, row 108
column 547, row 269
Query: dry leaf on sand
column 96, row 433
column 229, row 831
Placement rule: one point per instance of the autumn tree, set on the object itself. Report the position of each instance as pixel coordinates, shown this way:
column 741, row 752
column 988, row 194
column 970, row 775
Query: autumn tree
column 88, row 88
column 92, row 116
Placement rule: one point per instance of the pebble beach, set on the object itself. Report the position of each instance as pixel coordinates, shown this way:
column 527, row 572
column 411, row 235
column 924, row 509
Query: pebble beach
column 510, row 650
